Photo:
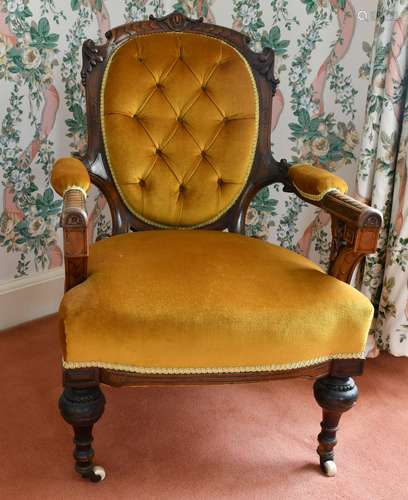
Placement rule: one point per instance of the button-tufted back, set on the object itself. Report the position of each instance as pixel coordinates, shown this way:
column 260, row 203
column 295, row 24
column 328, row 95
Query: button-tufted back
column 179, row 118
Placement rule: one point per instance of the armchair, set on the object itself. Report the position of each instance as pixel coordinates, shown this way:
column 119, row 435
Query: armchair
column 179, row 115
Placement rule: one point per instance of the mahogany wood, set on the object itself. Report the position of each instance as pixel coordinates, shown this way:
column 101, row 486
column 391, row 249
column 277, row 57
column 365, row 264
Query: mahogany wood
column 121, row 378
column 88, row 377
column 335, row 396
column 82, row 407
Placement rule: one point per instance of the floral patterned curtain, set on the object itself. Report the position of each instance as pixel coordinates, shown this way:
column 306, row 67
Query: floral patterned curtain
column 382, row 178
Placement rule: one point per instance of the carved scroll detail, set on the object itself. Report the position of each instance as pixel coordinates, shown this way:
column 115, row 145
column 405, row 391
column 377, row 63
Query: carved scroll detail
column 264, row 64
column 283, row 168
column 349, row 245
column 176, row 21
column 91, row 56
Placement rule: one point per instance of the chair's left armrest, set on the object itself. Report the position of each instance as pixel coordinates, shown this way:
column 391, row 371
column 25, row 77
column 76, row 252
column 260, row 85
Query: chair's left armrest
column 71, row 180
column 355, row 226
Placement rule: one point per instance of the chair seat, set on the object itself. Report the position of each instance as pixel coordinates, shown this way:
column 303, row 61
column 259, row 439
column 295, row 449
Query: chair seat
column 207, row 302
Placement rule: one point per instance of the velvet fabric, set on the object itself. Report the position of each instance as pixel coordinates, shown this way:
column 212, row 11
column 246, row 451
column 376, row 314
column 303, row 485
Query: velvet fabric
column 314, row 182
column 67, row 173
column 196, row 301
column 180, row 126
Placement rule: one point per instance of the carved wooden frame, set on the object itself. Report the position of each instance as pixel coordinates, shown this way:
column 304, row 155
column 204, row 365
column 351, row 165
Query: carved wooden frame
column 355, row 230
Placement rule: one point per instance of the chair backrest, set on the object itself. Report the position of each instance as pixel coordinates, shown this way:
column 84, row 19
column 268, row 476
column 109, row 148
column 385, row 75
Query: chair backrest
column 179, row 116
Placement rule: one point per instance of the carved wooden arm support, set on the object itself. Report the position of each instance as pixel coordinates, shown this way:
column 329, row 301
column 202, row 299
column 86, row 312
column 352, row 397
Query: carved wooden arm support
column 74, row 221
column 355, row 226
column 355, row 231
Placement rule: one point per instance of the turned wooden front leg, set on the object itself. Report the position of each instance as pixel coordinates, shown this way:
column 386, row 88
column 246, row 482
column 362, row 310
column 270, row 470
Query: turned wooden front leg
column 335, row 396
column 82, row 408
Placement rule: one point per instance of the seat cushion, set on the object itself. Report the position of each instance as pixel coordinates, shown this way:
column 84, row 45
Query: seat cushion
column 180, row 117
column 207, row 301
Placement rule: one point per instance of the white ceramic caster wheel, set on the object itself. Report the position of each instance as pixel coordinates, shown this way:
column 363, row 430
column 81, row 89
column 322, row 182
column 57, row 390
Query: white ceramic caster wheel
column 99, row 472
column 330, row 468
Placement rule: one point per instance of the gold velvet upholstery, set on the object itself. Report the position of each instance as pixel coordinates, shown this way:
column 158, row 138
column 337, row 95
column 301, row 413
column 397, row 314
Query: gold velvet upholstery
column 314, row 183
column 208, row 301
column 180, row 125
column 69, row 173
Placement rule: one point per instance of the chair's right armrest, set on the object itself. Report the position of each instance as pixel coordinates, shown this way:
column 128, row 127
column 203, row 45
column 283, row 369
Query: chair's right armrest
column 355, row 226
column 71, row 180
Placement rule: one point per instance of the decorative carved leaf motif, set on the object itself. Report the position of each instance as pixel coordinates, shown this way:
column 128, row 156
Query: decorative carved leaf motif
column 92, row 55
column 176, row 21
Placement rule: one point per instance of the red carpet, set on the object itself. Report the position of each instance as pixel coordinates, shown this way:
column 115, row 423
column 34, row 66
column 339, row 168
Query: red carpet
column 224, row 442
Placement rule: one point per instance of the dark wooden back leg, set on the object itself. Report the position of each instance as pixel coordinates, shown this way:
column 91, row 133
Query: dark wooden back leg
column 335, row 395
column 82, row 407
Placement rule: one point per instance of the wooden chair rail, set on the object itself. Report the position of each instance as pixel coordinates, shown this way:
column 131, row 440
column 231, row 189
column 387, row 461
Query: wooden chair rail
column 88, row 377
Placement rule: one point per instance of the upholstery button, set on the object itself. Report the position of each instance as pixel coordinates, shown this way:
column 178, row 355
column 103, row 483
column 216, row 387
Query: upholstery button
column 182, row 188
column 142, row 183
column 225, row 119
column 140, row 59
column 159, row 152
column 203, row 154
column 180, row 119
column 204, row 87
column 220, row 182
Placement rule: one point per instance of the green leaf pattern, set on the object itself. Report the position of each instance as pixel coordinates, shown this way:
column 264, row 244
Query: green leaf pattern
column 382, row 177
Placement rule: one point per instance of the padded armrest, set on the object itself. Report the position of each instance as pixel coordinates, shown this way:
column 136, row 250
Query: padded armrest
column 69, row 173
column 313, row 183
column 355, row 226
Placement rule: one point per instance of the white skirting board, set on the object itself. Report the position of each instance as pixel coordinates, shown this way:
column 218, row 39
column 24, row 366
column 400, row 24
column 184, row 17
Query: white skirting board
column 24, row 299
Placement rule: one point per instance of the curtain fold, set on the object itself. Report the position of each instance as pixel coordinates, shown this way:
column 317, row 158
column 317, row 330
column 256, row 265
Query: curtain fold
column 382, row 179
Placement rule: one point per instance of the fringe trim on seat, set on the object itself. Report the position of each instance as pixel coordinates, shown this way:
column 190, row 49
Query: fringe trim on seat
column 315, row 197
column 71, row 365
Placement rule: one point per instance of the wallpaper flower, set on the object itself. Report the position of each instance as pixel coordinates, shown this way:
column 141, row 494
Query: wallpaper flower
column 323, row 50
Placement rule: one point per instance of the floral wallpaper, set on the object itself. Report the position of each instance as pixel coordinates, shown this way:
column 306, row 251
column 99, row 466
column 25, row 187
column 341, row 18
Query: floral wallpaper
column 323, row 50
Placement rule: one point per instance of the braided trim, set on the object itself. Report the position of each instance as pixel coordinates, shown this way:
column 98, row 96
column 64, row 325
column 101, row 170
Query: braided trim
column 316, row 197
column 254, row 145
column 72, row 365
column 78, row 188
